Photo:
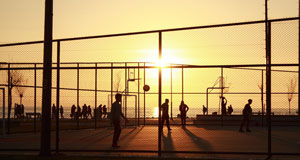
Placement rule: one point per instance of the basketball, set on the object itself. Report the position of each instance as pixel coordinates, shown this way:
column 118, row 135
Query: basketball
column 146, row 88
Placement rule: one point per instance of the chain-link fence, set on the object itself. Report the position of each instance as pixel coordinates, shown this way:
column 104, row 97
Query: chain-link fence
column 226, row 67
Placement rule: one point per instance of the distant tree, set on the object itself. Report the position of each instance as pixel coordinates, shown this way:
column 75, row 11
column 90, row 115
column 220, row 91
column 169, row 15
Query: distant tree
column 21, row 90
column 14, row 78
column 291, row 91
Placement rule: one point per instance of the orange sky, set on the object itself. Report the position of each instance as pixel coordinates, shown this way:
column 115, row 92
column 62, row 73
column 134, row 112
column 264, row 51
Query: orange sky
column 24, row 21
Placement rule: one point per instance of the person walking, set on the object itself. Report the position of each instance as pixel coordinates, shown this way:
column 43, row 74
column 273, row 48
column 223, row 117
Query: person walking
column 183, row 108
column 165, row 115
column 89, row 111
column 84, row 111
column 116, row 114
column 247, row 112
column 61, row 111
column 73, row 112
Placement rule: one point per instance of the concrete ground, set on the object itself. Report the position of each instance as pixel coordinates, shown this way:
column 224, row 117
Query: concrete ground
column 190, row 138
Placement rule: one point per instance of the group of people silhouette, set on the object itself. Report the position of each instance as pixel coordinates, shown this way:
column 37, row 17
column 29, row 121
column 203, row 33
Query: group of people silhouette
column 224, row 110
column 54, row 111
column 19, row 111
column 247, row 113
column 183, row 108
column 84, row 113
column 101, row 111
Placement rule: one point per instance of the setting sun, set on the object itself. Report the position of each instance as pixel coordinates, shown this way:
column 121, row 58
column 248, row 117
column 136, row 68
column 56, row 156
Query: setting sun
column 168, row 57
column 161, row 63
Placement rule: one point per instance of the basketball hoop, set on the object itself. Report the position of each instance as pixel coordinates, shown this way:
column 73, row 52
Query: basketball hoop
column 146, row 88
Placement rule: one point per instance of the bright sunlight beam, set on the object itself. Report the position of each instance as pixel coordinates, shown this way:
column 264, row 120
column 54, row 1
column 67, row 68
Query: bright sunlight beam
column 161, row 63
column 168, row 57
column 155, row 112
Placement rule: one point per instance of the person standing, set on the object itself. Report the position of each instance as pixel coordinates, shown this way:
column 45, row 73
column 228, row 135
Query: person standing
column 183, row 108
column 61, row 111
column 204, row 109
column 73, row 111
column 53, row 111
column 78, row 113
column 224, row 103
column 15, row 110
column 230, row 110
column 165, row 114
column 116, row 114
column 84, row 111
column 100, row 111
column 22, row 109
column 104, row 111
column 247, row 112
column 89, row 111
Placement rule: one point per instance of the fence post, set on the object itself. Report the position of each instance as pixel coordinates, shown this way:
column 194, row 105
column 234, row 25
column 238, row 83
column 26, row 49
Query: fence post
column 144, row 94
column 268, row 87
column 138, row 94
column 34, row 128
column 171, row 92
column 77, row 116
column 262, row 98
column 95, row 110
column 125, row 104
column 57, row 96
column 182, row 83
column 299, row 61
column 159, row 93
column 45, row 149
column 3, row 118
column 222, row 95
column 111, row 83
column 9, row 99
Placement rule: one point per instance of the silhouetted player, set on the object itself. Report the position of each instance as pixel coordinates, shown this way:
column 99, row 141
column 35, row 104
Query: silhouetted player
column 165, row 114
column 104, row 111
column 61, row 111
column 224, row 103
column 230, row 110
column 100, row 111
column 204, row 109
column 183, row 108
column 116, row 114
column 53, row 111
column 247, row 112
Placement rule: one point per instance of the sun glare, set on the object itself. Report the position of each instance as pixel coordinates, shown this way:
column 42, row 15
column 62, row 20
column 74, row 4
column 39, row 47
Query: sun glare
column 169, row 56
column 155, row 112
column 161, row 63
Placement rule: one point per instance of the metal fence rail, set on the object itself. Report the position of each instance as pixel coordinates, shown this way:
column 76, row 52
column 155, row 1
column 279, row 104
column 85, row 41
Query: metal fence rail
column 96, row 69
